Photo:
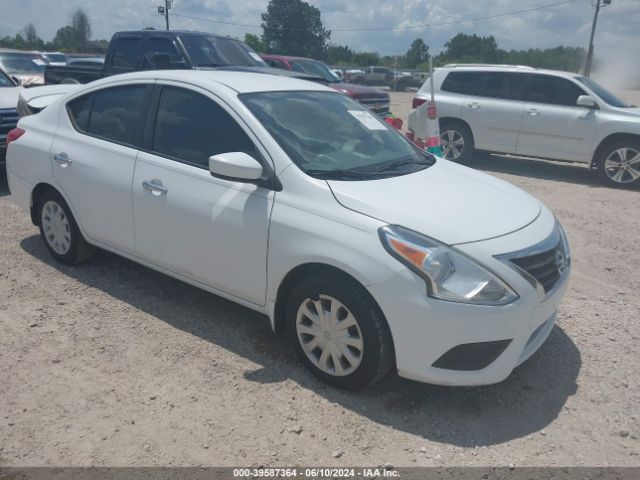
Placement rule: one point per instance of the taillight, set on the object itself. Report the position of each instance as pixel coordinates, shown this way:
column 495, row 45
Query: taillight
column 417, row 101
column 14, row 134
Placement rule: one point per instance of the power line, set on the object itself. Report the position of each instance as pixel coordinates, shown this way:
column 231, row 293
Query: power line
column 426, row 25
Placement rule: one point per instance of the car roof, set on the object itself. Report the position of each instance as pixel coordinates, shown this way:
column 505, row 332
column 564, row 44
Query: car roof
column 287, row 57
column 241, row 82
column 172, row 33
column 505, row 68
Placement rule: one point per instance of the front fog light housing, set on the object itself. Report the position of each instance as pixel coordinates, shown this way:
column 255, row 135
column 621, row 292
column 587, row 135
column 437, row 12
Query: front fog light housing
column 450, row 275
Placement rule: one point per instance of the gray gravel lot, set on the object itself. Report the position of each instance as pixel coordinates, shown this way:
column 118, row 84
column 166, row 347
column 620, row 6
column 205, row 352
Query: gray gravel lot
column 114, row 364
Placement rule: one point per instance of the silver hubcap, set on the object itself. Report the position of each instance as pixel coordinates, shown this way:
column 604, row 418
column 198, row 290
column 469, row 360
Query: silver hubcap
column 55, row 225
column 329, row 335
column 623, row 165
column 452, row 144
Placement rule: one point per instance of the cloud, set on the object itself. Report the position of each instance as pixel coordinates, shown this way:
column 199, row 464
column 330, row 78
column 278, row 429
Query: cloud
column 565, row 24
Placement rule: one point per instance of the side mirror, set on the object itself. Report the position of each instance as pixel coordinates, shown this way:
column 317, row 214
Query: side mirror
column 236, row 166
column 586, row 101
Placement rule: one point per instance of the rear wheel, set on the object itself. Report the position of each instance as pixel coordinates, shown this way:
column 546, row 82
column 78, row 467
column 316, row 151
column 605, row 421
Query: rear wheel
column 338, row 331
column 457, row 142
column 619, row 163
column 60, row 231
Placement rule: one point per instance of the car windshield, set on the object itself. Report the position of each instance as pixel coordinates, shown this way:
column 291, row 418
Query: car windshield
column 55, row 57
column 330, row 136
column 18, row 64
column 317, row 69
column 216, row 51
column 5, row 81
column 603, row 93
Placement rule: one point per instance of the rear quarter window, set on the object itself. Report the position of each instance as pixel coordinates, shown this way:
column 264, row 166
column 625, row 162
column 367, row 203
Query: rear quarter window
column 466, row 83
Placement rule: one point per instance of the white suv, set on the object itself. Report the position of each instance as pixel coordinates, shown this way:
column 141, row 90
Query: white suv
column 537, row 113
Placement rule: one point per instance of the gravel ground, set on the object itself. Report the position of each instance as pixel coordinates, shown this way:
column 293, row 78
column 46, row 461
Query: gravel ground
column 114, row 364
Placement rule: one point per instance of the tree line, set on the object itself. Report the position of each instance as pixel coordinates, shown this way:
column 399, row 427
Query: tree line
column 75, row 37
column 294, row 27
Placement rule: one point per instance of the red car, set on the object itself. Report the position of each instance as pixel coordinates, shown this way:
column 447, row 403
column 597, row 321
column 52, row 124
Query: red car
column 374, row 99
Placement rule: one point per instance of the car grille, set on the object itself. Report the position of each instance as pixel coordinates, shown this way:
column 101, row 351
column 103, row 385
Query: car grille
column 546, row 267
column 8, row 121
column 379, row 106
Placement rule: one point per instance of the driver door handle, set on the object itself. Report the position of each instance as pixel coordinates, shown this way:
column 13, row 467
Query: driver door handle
column 474, row 105
column 155, row 187
column 533, row 111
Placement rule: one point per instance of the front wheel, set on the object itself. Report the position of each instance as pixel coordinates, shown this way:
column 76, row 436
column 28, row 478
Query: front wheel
column 457, row 142
column 338, row 331
column 619, row 163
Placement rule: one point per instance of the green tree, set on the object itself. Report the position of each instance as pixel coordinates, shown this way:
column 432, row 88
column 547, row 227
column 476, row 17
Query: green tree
column 339, row 54
column 418, row 53
column 254, row 42
column 81, row 28
column 32, row 41
column 464, row 48
column 365, row 59
column 294, row 27
column 65, row 39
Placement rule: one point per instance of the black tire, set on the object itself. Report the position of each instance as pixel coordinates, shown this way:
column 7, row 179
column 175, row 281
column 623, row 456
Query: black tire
column 378, row 353
column 461, row 130
column 79, row 250
column 608, row 175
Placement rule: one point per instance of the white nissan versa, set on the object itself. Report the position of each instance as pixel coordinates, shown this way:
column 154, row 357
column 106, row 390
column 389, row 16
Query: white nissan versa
column 296, row 201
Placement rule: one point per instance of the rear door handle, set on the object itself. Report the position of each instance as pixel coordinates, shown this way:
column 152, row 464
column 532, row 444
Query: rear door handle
column 474, row 105
column 62, row 159
column 533, row 111
column 155, row 187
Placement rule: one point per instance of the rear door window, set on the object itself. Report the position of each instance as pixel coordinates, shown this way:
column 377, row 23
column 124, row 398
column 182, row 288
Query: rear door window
column 553, row 90
column 125, row 53
column 467, row 83
column 80, row 111
column 504, row 85
column 115, row 114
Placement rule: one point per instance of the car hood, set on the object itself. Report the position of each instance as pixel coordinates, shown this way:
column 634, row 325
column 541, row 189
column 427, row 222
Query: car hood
column 27, row 79
column 9, row 97
column 447, row 202
column 359, row 90
column 633, row 112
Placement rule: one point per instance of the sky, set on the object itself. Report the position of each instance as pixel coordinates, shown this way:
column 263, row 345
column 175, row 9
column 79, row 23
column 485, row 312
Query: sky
column 618, row 31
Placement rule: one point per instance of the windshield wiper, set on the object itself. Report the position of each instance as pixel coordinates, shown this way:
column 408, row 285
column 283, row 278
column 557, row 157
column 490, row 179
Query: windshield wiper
column 341, row 174
column 401, row 163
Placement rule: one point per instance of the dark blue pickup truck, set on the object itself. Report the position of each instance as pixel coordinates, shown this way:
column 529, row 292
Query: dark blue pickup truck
column 162, row 50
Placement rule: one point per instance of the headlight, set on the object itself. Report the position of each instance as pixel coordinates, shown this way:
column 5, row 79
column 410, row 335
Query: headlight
column 449, row 274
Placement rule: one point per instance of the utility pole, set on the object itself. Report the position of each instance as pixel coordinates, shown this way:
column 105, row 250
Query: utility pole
column 165, row 10
column 587, row 66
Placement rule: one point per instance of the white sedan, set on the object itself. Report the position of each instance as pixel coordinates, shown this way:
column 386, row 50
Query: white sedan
column 294, row 200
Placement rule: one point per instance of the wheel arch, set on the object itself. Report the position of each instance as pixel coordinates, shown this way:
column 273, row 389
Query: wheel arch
column 298, row 273
column 610, row 139
column 36, row 193
column 455, row 121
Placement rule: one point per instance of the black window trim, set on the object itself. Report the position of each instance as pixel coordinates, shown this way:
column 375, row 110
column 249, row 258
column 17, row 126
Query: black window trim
column 145, row 108
column 270, row 180
column 480, row 85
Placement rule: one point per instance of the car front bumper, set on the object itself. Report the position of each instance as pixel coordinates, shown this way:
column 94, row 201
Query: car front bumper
column 471, row 344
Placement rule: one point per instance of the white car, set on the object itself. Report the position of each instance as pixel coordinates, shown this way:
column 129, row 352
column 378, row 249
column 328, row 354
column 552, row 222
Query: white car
column 294, row 200
column 9, row 93
column 536, row 113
